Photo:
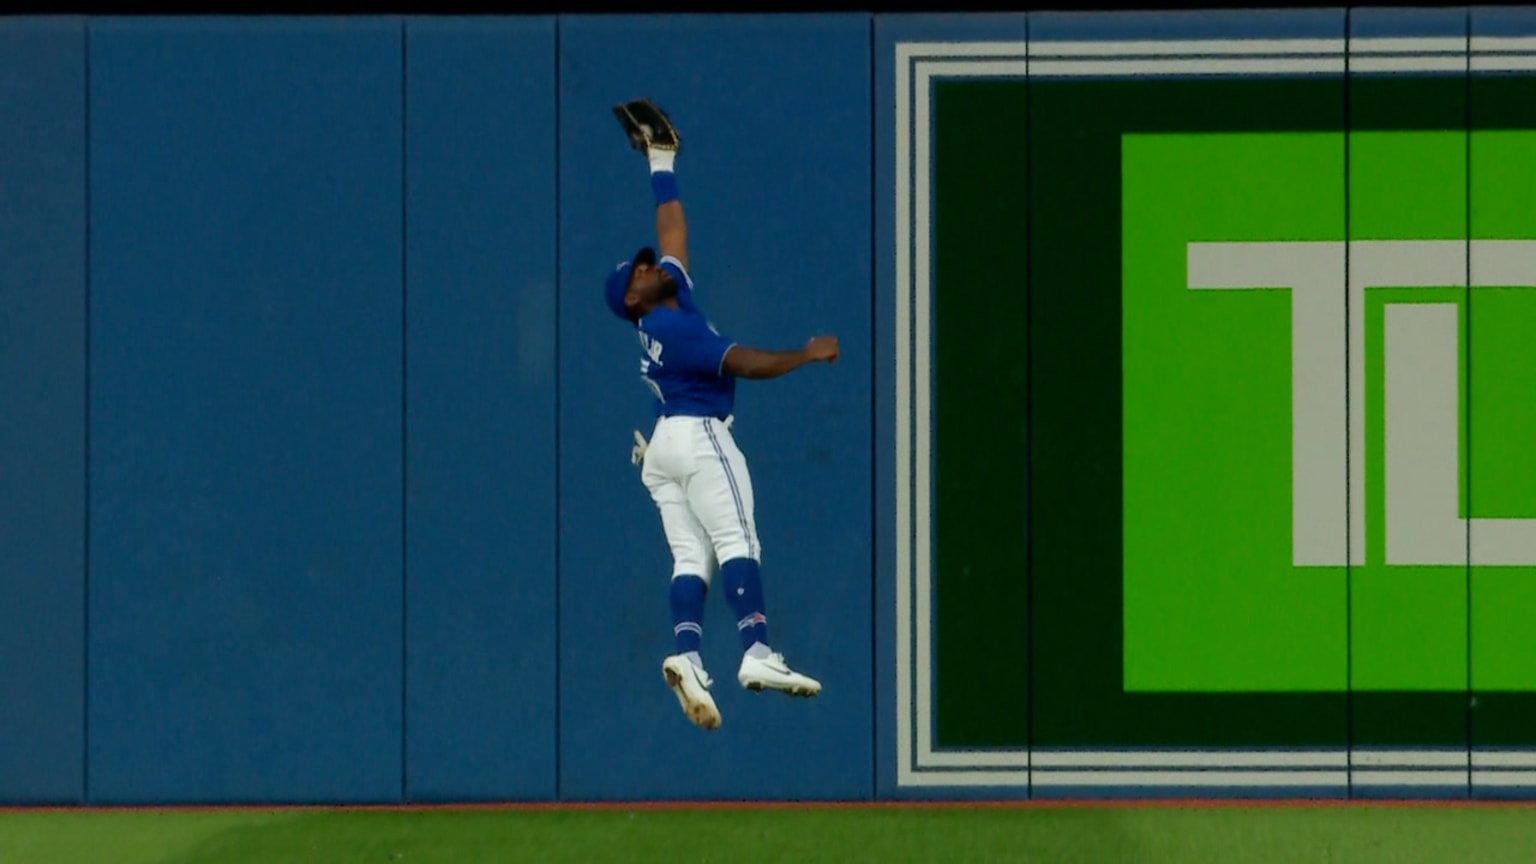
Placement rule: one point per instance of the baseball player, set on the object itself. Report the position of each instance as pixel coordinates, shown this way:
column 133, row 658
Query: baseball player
column 691, row 465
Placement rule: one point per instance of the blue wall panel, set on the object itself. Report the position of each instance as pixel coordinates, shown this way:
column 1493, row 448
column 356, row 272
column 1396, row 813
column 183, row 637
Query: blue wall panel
column 480, row 434
column 779, row 240
column 42, row 410
column 246, row 411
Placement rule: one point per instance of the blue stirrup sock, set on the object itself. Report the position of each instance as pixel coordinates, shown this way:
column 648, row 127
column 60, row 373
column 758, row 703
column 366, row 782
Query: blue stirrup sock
column 744, row 592
column 688, row 612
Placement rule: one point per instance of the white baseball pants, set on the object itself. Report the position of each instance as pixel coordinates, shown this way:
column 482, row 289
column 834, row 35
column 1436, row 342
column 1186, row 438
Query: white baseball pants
column 699, row 481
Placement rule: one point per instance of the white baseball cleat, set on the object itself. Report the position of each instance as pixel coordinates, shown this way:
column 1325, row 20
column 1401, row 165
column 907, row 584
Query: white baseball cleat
column 691, row 684
column 772, row 673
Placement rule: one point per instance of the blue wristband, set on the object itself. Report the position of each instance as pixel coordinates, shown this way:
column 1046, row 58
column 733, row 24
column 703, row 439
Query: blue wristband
column 664, row 184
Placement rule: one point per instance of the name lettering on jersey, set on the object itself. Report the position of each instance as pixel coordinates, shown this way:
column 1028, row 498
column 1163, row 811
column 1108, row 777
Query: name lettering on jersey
column 652, row 347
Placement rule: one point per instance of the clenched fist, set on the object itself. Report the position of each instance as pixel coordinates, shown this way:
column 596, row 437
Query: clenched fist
column 822, row 348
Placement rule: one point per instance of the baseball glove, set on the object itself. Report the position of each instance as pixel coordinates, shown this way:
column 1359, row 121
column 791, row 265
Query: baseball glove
column 647, row 126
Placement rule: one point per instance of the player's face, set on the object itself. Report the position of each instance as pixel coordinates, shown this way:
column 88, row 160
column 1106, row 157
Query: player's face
column 653, row 284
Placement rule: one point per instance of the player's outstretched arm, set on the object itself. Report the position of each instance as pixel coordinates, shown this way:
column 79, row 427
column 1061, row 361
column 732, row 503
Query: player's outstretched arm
column 671, row 229
column 758, row 364
column 650, row 131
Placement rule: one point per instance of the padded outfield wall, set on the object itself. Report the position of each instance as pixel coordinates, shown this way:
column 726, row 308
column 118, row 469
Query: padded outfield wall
column 1179, row 443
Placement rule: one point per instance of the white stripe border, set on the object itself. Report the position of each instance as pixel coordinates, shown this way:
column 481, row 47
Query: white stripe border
column 1068, row 58
column 1101, row 769
column 916, row 757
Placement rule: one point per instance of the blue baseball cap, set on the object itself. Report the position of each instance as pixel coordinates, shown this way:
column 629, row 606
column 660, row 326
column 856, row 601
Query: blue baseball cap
column 618, row 280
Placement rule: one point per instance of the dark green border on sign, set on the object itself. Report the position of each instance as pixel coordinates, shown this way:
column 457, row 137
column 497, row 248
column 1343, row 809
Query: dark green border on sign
column 1070, row 576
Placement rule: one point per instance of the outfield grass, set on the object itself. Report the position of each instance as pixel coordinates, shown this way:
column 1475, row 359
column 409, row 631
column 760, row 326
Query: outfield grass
column 1143, row 835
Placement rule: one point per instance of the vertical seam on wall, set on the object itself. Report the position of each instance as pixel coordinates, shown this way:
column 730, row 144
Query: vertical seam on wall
column 874, row 424
column 1029, row 428
column 405, row 462
column 1349, row 491
column 85, row 720
column 1467, row 347
column 559, row 777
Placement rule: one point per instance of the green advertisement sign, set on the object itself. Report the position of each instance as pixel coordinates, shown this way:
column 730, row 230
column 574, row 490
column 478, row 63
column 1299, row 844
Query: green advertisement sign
column 1293, row 406
column 1213, row 412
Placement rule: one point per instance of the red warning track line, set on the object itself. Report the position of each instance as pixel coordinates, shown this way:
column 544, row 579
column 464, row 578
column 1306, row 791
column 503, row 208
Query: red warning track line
column 657, row 806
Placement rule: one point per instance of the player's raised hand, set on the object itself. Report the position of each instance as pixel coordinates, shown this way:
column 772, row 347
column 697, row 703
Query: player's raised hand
column 822, row 348
column 647, row 127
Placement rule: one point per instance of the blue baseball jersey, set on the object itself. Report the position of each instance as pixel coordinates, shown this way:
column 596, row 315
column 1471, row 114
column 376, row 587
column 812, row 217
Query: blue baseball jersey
column 682, row 356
